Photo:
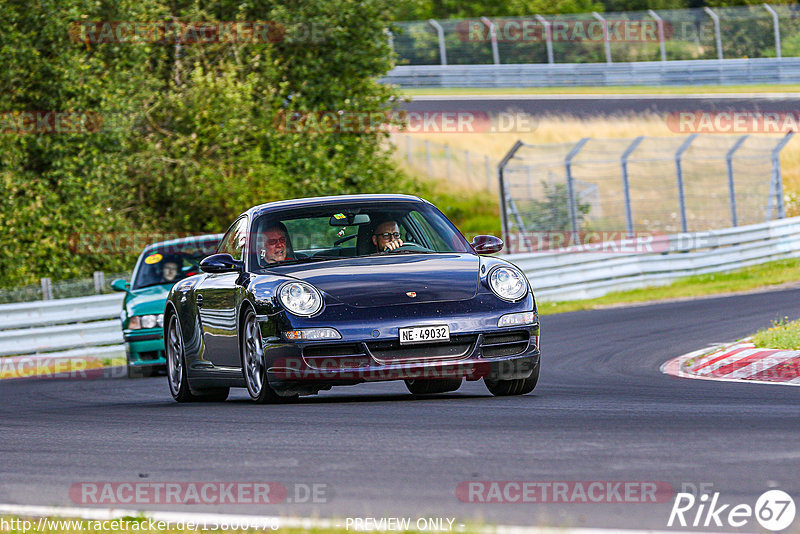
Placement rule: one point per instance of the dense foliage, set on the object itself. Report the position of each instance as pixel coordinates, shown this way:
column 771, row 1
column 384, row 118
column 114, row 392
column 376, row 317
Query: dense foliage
column 191, row 132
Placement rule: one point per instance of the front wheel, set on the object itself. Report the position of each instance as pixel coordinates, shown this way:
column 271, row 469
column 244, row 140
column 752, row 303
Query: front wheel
column 430, row 386
column 177, row 376
column 253, row 366
column 519, row 386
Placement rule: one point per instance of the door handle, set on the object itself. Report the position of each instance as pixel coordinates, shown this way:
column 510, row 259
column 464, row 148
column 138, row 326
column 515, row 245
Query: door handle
column 199, row 300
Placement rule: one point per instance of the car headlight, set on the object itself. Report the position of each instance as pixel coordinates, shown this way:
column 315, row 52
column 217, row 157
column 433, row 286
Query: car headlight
column 508, row 283
column 146, row 321
column 300, row 298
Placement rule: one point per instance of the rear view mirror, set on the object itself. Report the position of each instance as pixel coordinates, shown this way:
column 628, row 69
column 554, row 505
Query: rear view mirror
column 120, row 285
column 220, row 263
column 487, row 244
column 349, row 219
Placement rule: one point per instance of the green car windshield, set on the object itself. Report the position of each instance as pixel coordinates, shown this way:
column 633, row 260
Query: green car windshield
column 171, row 263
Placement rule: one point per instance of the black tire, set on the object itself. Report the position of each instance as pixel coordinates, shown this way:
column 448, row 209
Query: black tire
column 430, row 386
column 519, row 386
column 254, row 368
column 177, row 376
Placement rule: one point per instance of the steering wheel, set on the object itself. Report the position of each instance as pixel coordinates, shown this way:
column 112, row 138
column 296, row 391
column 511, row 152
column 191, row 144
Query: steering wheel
column 343, row 239
column 409, row 245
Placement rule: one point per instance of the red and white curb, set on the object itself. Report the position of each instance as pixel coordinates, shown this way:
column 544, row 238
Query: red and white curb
column 738, row 362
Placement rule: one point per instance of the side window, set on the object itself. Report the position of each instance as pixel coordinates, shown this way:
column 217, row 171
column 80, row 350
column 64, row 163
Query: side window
column 234, row 241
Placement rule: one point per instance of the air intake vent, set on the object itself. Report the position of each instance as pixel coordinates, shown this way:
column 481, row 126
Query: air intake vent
column 336, row 356
column 504, row 344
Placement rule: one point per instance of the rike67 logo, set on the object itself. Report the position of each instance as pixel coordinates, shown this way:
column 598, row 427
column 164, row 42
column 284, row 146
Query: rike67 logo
column 774, row 510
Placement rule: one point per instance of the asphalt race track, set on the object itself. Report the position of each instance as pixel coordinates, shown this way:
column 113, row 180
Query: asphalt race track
column 602, row 412
column 606, row 104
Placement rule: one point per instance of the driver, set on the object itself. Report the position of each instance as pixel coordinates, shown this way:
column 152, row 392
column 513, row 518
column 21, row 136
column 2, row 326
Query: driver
column 386, row 236
column 170, row 270
column 274, row 243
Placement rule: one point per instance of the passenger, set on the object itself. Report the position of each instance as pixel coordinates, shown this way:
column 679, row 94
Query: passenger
column 275, row 243
column 386, row 236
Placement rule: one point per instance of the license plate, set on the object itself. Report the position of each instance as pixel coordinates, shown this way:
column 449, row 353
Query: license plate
column 424, row 334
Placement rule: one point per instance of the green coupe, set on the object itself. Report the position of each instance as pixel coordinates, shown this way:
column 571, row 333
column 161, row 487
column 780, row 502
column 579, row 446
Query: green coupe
column 158, row 268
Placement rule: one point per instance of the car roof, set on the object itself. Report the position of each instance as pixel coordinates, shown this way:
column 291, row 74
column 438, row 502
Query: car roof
column 183, row 240
column 322, row 201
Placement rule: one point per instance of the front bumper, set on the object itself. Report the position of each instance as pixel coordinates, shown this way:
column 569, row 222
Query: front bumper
column 291, row 371
column 145, row 347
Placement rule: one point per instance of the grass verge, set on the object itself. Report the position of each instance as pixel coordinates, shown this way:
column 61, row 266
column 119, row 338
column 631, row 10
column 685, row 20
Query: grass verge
column 604, row 90
column 750, row 278
column 783, row 334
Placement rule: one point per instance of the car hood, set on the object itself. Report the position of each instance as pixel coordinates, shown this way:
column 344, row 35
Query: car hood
column 148, row 300
column 386, row 280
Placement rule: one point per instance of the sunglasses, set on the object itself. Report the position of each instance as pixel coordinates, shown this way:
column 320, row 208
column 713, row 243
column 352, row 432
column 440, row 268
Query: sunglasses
column 273, row 242
column 389, row 235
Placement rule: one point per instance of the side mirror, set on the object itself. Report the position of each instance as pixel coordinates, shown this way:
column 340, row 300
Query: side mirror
column 487, row 244
column 120, row 285
column 220, row 263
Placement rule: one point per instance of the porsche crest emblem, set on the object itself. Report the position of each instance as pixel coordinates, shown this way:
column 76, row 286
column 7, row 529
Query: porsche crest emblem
column 411, row 294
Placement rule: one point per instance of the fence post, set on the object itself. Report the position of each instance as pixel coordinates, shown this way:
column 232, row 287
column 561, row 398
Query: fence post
column 679, row 175
column 99, row 281
column 440, row 33
column 717, row 33
column 389, row 38
column 447, row 161
column 776, row 28
column 548, row 38
column 47, row 289
column 488, row 173
column 493, row 36
column 660, row 24
column 502, row 190
column 428, row 157
column 466, row 166
column 606, row 42
column 408, row 150
column 777, row 178
column 731, row 188
column 626, row 185
column 571, row 200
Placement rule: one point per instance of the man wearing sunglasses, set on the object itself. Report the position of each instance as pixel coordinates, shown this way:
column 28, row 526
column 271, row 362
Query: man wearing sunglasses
column 274, row 243
column 386, row 236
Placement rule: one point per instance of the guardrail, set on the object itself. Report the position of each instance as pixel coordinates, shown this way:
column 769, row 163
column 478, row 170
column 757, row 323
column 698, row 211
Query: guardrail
column 568, row 275
column 63, row 328
column 655, row 73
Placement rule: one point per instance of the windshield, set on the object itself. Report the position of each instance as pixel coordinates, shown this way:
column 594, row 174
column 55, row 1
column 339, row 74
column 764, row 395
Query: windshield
column 352, row 230
column 171, row 263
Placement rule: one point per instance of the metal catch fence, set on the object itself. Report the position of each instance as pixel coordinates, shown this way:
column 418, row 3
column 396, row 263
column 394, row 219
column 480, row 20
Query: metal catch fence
column 48, row 289
column 437, row 160
column 654, row 35
column 648, row 184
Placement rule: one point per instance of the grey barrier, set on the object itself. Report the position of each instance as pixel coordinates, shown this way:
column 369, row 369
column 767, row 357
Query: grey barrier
column 648, row 73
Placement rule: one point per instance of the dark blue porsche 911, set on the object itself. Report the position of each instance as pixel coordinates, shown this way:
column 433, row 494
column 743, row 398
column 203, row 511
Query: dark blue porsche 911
column 303, row 295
